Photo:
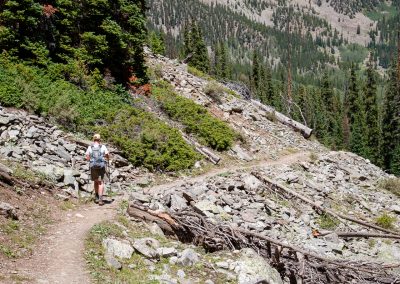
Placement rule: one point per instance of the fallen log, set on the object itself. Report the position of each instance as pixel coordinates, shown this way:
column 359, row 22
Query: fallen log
column 361, row 235
column 303, row 129
column 215, row 159
column 277, row 187
column 295, row 263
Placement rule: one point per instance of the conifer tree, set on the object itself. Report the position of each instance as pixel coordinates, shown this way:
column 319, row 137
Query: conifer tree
column 372, row 119
column 255, row 73
column 195, row 47
column 391, row 123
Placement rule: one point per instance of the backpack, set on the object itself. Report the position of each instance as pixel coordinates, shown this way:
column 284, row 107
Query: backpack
column 97, row 160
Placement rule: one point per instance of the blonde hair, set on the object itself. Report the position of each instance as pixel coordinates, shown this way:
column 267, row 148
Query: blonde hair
column 96, row 137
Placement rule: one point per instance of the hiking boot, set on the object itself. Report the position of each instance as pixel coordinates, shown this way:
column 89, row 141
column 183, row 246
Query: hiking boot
column 101, row 202
column 96, row 198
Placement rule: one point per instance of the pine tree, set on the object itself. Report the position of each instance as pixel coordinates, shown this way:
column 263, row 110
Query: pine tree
column 372, row 119
column 195, row 48
column 156, row 42
column 357, row 116
column 255, row 73
column 391, row 123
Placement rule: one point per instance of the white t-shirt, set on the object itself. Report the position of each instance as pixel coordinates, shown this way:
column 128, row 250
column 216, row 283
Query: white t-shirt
column 103, row 149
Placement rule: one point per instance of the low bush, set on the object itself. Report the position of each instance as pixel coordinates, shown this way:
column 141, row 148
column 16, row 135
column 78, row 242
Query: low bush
column 391, row 184
column 192, row 70
column 328, row 222
column 92, row 107
column 385, row 221
column 214, row 91
column 196, row 119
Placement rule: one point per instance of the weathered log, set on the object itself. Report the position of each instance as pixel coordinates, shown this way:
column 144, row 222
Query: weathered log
column 275, row 186
column 361, row 235
column 138, row 213
column 304, row 130
column 215, row 159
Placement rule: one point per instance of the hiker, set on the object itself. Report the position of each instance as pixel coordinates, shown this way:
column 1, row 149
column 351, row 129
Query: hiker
column 97, row 154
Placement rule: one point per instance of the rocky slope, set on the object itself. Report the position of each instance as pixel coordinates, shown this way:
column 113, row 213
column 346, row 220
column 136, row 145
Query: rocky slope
column 273, row 182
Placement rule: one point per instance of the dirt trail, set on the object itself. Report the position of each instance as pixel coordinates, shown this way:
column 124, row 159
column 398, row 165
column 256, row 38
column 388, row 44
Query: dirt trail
column 59, row 257
column 285, row 160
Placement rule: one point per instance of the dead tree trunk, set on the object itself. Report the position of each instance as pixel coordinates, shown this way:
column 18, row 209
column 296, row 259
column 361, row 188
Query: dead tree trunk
column 297, row 126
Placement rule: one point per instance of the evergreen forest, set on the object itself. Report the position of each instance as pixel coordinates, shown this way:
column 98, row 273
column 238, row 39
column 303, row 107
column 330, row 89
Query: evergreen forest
column 348, row 93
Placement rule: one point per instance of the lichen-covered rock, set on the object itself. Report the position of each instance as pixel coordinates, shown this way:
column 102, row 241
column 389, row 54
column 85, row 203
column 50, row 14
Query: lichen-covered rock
column 117, row 248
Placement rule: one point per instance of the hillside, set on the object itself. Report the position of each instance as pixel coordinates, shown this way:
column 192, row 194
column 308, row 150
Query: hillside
column 329, row 206
column 230, row 160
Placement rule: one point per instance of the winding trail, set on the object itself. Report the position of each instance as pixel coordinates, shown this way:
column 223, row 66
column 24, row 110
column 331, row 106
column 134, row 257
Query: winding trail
column 59, row 256
column 59, row 259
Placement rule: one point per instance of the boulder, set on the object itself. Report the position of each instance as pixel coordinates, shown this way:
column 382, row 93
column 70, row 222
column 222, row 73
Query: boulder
column 121, row 249
column 167, row 252
column 188, row 257
column 177, row 203
column 251, row 183
column 147, row 247
column 252, row 268
column 112, row 261
column 8, row 211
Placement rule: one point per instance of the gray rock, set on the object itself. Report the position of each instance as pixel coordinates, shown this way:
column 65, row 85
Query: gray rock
column 249, row 215
column 69, row 177
column 156, row 230
column 51, row 171
column 177, row 203
column 143, row 181
column 395, row 208
column 139, row 197
column 167, row 252
column 241, row 153
column 32, row 132
column 147, row 247
column 251, row 182
column 5, row 120
column 252, row 268
column 188, row 257
column 181, row 274
column 63, row 154
column 208, row 281
column 118, row 248
column 222, row 264
column 112, row 261
column 13, row 134
column 69, row 147
column 8, row 211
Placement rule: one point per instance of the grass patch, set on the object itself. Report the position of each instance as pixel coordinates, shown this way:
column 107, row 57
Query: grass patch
column 196, row 119
column 67, row 205
column 198, row 73
column 92, row 105
column 313, row 157
column 392, row 185
column 327, row 222
column 385, row 221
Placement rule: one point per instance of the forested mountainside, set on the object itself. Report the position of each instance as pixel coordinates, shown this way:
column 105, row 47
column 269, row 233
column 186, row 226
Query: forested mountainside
column 297, row 57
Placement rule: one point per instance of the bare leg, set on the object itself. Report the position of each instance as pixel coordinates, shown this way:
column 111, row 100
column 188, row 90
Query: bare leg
column 96, row 187
column 100, row 188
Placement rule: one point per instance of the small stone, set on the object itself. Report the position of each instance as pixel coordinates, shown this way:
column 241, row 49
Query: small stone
column 8, row 211
column 156, row 230
column 111, row 261
column 181, row 274
column 79, row 215
column 222, row 264
column 147, row 246
column 167, row 252
column 177, row 203
column 188, row 257
column 118, row 248
column 208, row 281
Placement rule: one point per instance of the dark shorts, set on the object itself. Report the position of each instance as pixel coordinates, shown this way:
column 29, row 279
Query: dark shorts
column 97, row 174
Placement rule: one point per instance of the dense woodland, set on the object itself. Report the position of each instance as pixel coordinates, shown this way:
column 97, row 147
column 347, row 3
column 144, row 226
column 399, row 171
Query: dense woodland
column 351, row 105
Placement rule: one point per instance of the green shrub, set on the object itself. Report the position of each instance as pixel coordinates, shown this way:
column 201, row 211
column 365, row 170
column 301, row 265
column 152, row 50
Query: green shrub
column 385, row 221
column 214, row 91
column 392, row 185
column 196, row 119
column 328, row 222
column 196, row 72
column 143, row 139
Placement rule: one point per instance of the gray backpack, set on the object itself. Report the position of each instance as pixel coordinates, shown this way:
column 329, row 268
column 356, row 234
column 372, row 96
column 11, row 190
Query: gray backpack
column 97, row 160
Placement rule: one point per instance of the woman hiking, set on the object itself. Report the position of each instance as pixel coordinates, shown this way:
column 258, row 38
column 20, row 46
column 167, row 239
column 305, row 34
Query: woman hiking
column 97, row 154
